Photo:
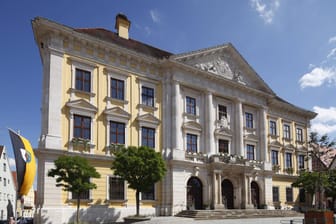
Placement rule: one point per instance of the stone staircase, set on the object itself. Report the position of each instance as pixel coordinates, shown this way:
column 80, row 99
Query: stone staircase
column 236, row 213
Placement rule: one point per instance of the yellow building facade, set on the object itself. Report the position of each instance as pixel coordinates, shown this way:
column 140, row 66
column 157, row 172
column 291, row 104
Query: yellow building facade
column 228, row 140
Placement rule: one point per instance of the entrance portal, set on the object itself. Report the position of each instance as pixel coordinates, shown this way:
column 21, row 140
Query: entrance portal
column 194, row 194
column 227, row 194
column 255, row 194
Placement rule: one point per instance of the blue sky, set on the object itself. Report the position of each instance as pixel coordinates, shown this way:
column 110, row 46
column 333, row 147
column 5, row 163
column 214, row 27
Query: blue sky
column 290, row 44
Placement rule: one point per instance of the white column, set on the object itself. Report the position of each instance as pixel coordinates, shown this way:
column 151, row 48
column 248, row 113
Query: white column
column 210, row 124
column 214, row 191
column 177, row 116
column 239, row 128
column 263, row 135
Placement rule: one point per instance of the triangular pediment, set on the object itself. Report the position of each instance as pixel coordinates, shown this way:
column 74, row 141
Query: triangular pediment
column 148, row 118
column 192, row 125
column 276, row 144
column 117, row 112
column 224, row 61
column 82, row 105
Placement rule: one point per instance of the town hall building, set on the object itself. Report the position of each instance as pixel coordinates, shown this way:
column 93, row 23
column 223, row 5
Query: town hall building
column 229, row 141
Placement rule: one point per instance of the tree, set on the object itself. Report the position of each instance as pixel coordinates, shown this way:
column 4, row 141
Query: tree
column 141, row 167
column 318, row 181
column 73, row 175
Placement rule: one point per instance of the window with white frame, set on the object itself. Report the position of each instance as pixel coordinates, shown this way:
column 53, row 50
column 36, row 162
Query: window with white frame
column 82, row 127
column 147, row 96
column 286, row 131
column 289, row 194
column 250, row 152
column 148, row 137
column 273, row 128
column 288, row 160
column 275, row 157
column 222, row 112
column 117, row 89
column 223, row 146
column 191, row 143
column 83, row 80
column 248, row 120
column 190, row 105
column 116, row 188
column 149, row 194
column 301, row 161
column 299, row 135
column 82, row 76
column 117, row 132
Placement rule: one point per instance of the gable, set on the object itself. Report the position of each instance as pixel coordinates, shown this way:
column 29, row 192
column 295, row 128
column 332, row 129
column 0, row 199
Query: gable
column 226, row 62
column 117, row 112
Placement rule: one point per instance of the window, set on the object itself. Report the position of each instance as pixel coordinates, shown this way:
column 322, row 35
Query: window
column 275, row 158
column 191, row 143
column 289, row 194
column 222, row 112
column 4, row 155
column 191, row 105
column 148, row 137
column 85, row 195
column 275, row 194
column 301, row 161
column 223, row 146
column 82, row 127
column 288, row 160
column 4, row 167
column 299, row 135
column 273, row 130
column 147, row 96
column 286, row 131
column 249, row 120
column 117, row 89
column 250, row 152
column 149, row 195
column 5, row 182
column 116, row 188
column 117, row 132
column 83, row 80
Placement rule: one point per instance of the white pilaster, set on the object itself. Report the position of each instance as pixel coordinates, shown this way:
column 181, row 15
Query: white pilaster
column 51, row 105
column 263, row 135
column 239, row 128
column 210, row 123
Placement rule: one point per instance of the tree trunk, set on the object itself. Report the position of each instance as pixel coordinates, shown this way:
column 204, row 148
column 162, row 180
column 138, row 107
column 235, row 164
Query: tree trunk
column 137, row 194
column 78, row 204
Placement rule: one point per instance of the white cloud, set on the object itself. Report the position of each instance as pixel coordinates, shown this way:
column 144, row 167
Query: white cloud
column 325, row 121
column 332, row 40
column 155, row 15
column 266, row 11
column 332, row 53
column 317, row 77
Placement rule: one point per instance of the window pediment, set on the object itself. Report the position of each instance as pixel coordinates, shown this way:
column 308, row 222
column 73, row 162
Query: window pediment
column 276, row 144
column 192, row 125
column 148, row 119
column 82, row 105
column 117, row 112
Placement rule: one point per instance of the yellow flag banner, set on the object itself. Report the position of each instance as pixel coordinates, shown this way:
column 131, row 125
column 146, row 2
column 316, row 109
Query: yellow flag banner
column 25, row 162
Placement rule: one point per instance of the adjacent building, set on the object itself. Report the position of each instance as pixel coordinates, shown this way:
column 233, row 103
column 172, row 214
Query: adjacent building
column 228, row 140
column 7, row 188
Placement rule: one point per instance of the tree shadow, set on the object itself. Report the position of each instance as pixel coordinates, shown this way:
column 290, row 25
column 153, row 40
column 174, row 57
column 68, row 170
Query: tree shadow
column 96, row 214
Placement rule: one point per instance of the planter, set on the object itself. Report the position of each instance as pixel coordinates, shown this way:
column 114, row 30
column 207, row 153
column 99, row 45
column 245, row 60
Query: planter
column 133, row 219
column 319, row 217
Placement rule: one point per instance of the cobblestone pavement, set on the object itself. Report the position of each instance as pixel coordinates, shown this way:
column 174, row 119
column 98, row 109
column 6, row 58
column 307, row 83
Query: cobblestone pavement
column 177, row 220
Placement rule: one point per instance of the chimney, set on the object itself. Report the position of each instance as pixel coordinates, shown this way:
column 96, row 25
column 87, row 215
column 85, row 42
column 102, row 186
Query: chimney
column 122, row 25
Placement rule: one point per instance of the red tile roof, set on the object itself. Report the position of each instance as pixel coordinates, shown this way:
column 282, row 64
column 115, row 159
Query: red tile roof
column 130, row 44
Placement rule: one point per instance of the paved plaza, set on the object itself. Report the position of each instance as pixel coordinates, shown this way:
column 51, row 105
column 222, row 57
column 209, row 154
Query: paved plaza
column 178, row 220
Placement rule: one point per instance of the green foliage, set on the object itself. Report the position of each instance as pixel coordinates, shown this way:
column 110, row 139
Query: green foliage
column 73, row 174
column 141, row 167
column 309, row 181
